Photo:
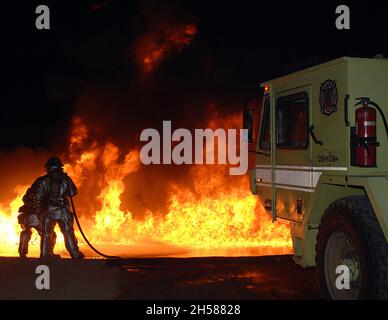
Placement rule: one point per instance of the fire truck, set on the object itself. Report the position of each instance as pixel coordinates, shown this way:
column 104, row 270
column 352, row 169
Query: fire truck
column 321, row 163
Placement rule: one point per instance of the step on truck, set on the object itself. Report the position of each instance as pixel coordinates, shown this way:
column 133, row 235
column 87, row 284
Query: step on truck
column 321, row 163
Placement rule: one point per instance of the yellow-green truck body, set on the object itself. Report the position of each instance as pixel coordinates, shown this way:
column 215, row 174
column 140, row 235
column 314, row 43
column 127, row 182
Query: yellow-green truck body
column 316, row 168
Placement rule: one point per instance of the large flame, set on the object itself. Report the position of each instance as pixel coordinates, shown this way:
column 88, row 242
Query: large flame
column 217, row 213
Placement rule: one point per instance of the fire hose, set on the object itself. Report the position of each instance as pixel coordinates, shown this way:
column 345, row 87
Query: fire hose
column 84, row 236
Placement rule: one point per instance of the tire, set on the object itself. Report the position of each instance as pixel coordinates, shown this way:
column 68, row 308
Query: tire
column 351, row 235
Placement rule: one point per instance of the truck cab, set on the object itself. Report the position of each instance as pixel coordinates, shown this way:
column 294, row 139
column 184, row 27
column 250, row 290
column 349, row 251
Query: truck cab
column 321, row 163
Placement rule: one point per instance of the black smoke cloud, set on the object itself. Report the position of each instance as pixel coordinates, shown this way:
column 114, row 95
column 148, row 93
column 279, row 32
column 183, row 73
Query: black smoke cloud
column 85, row 66
column 181, row 89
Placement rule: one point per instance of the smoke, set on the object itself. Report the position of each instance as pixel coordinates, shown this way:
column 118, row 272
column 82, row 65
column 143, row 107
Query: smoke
column 120, row 78
column 20, row 168
column 162, row 82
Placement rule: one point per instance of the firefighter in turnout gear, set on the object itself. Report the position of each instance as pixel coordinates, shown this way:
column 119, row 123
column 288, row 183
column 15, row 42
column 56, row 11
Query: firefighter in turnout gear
column 29, row 218
column 51, row 194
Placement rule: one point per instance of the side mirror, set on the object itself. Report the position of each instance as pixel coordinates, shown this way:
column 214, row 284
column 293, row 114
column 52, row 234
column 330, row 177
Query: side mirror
column 248, row 123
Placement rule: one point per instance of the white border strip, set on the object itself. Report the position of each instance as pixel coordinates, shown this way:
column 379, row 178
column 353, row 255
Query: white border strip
column 278, row 186
column 304, row 179
column 304, row 168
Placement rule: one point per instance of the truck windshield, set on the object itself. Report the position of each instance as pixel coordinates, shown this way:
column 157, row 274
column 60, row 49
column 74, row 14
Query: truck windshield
column 265, row 125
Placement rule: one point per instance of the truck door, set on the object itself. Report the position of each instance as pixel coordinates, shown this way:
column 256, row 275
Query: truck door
column 261, row 175
column 292, row 159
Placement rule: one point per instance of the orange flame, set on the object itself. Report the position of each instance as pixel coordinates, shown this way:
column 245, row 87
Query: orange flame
column 219, row 212
column 152, row 48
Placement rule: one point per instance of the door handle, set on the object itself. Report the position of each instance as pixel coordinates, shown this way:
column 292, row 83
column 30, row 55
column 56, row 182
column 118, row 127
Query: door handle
column 311, row 131
column 346, row 111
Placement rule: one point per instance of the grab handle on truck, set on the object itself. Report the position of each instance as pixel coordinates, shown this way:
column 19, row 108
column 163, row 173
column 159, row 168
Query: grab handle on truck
column 346, row 110
column 311, row 131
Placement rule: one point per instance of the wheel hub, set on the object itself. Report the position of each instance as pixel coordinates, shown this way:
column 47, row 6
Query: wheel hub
column 340, row 250
column 353, row 265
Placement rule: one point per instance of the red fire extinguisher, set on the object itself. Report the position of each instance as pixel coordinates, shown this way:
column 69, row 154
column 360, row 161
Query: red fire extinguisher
column 366, row 133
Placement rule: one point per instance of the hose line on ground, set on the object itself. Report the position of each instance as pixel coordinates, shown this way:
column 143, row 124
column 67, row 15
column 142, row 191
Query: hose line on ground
column 86, row 239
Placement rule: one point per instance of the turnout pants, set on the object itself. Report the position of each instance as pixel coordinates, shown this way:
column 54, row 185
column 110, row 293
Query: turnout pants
column 25, row 236
column 65, row 220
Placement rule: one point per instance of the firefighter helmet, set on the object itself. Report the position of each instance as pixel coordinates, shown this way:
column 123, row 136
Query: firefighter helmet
column 54, row 161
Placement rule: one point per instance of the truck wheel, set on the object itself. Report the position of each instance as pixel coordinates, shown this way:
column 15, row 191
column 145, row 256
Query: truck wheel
column 350, row 235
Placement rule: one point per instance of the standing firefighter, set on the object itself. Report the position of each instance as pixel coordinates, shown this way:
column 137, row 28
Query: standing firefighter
column 29, row 218
column 51, row 194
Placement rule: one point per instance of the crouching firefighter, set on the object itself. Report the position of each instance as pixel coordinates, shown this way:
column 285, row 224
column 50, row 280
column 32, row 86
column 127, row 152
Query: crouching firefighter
column 52, row 193
column 29, row 218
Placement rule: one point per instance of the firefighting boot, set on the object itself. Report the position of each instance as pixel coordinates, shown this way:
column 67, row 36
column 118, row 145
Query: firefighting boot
column 71, row 245
column 25, row 237
column 53, row 242
column 46, row 247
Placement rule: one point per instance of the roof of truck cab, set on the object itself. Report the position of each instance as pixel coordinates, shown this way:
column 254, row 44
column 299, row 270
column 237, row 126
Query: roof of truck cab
column 318, row 67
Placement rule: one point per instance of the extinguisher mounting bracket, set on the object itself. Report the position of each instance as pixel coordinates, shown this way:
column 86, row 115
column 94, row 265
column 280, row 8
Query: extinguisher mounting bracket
column 362, row 100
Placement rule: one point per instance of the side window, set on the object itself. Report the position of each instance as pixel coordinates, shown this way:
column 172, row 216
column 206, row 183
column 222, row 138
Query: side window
column 265, row 125
column 292, row 121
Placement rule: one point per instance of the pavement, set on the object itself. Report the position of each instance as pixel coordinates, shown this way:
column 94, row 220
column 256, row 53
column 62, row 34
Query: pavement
column 226, row 278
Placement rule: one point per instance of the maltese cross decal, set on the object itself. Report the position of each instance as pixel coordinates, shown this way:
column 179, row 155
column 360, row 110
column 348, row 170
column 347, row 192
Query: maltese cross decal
column 328, row 97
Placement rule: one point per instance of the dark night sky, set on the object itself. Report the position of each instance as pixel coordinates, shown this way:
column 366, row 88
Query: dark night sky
column 239, row 44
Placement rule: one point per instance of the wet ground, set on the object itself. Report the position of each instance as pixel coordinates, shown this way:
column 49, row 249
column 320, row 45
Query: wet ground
column 265, row 277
